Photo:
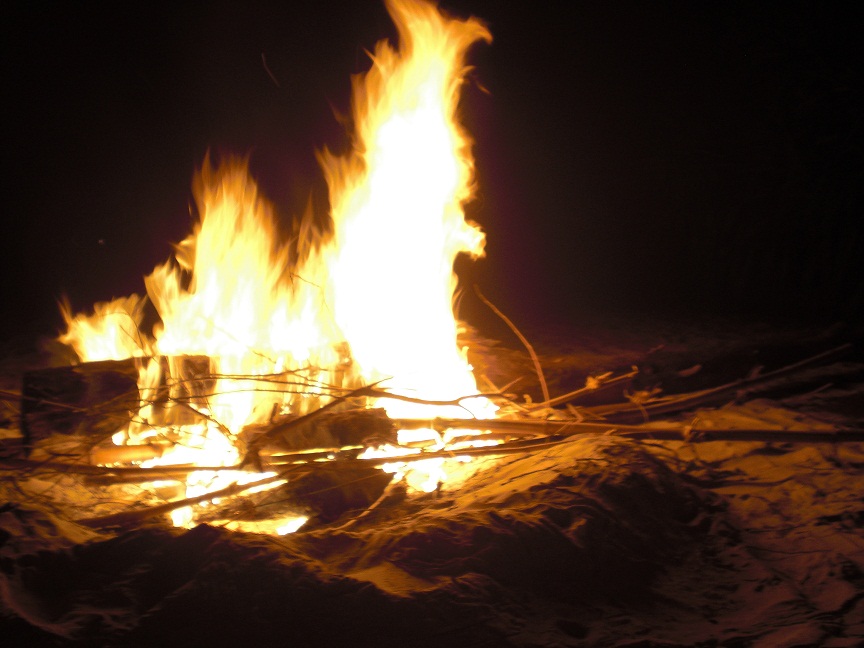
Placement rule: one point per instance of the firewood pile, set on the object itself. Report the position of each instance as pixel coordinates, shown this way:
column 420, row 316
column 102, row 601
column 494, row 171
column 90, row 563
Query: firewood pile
column 321, row 460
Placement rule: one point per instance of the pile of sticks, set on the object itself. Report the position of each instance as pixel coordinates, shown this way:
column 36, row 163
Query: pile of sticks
column 93, row 398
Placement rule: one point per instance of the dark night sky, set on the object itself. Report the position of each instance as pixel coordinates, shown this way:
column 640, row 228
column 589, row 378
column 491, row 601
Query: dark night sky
column 669, row 157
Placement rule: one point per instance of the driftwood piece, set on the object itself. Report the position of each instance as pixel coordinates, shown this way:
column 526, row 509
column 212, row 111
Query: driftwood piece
column 93, row 399
column 566, row 428
column 326, row 491
column 633, row 411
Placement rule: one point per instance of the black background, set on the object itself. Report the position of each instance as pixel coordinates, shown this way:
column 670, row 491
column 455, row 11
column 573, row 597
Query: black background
column 671, row 158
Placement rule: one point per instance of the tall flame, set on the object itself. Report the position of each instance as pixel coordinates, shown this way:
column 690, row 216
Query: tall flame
column 397, row 207
column 369, row 300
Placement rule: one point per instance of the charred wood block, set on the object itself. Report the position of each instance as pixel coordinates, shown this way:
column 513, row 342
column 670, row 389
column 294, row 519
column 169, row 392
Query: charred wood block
column 94, row 399
column 329, row 494
column 324, row 494
column 359, row 427
column 332, row 430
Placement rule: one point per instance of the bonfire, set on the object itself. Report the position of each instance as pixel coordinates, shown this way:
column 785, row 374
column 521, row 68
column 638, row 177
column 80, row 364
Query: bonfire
column 318, row 383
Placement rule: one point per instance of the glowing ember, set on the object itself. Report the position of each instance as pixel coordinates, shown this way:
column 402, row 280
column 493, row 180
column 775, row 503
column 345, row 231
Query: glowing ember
column 368, row 301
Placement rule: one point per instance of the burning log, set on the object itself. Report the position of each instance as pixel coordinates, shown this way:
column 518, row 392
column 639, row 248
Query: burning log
column 102, row 455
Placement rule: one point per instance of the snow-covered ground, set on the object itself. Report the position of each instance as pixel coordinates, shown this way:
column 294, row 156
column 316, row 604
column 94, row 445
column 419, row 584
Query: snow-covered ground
column 597, row 541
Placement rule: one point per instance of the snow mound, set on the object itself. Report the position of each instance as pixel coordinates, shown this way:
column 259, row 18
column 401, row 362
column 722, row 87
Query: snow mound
column 596, row 519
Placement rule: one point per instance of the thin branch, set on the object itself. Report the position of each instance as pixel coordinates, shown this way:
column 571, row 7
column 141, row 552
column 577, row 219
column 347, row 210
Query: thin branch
column 574, row 395
column 207, row 417
column 675, row 432
column 138, row 516
column 522, row 339
column 267, row 69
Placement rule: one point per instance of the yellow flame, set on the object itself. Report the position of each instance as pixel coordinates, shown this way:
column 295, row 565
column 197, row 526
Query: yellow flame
column 112, row 332
column 379, row 283
column 231, row 297
column 397, row 211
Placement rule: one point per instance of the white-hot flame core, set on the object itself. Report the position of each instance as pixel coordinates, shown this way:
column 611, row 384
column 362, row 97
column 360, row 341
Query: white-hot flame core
column 380, row 283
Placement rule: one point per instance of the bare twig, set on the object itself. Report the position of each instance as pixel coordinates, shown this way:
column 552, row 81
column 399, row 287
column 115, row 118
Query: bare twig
column 138, row 516
column 11, row 396
column 267, row 69
column 522, row 339
column 219, row 425
column 574, row 395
